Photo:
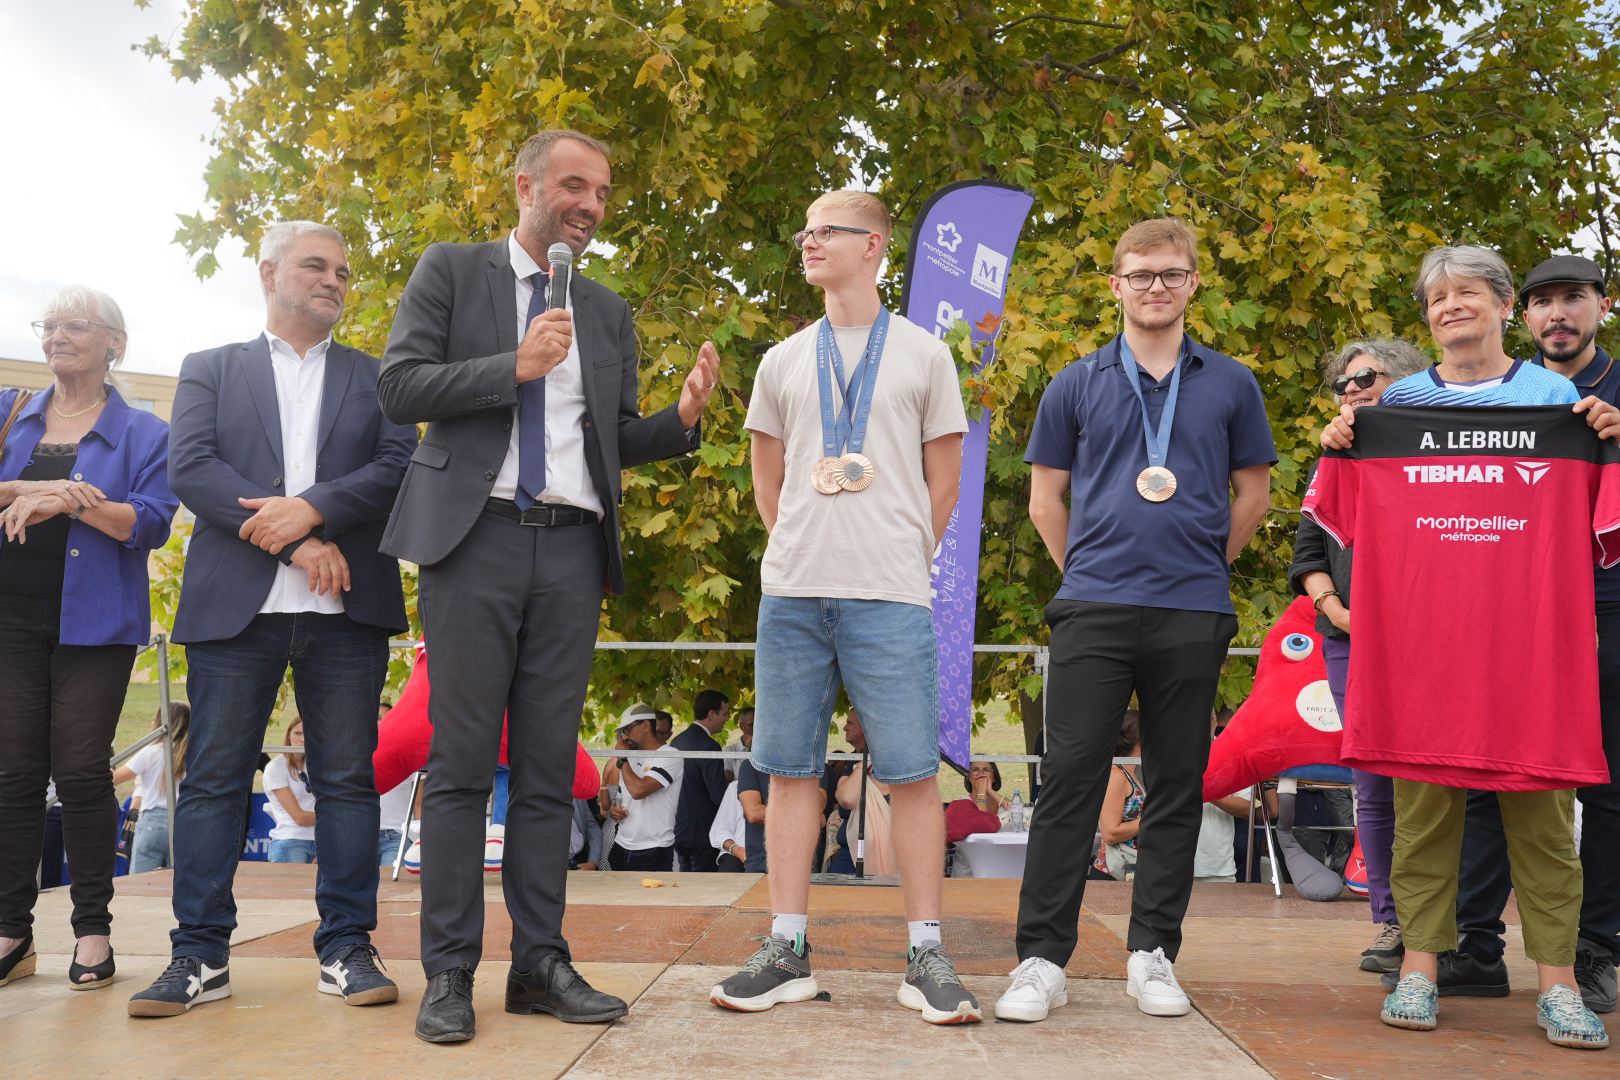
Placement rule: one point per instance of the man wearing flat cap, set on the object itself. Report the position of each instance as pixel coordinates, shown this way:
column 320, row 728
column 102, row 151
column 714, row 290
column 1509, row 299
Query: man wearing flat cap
column 1565, row 301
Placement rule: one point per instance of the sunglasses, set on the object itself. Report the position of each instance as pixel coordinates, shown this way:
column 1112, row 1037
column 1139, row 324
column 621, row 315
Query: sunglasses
column 1363, row 378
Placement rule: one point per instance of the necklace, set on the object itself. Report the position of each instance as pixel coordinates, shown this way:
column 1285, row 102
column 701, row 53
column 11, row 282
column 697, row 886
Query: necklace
column 81, row 412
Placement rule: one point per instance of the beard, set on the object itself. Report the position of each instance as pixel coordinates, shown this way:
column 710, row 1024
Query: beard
column 1569, row 352
column 1153, row 323
column 304, row 307
column 547, row 228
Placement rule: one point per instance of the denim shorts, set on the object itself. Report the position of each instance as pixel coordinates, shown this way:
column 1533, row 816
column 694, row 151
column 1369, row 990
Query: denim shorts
column 885, row 656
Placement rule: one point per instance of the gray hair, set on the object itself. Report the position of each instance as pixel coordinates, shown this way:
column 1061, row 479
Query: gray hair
column 83, row 302
column 274, row 244
column 1457, row 261
column 536, row 152
column 1398, row 355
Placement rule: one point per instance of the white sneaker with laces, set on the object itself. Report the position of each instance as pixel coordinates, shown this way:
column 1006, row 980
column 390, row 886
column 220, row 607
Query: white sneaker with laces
column 1151, row 980
column 1038, row 986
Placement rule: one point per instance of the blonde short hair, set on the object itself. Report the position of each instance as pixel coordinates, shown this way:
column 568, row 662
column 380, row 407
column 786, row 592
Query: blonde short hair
column 866, row 209
column 1146, row 236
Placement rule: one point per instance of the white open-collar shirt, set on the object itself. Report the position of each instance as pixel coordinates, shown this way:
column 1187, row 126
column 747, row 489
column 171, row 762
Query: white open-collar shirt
column 299, row 382
column 568, row 481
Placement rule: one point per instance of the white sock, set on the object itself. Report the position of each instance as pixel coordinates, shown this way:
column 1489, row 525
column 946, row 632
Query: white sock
column 792, row 927
column 923, row 932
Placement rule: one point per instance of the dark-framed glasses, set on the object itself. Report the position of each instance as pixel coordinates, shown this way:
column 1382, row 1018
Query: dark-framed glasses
column 1142, row 280
column 74, row 328
column 824, row 234
column 1363, row 378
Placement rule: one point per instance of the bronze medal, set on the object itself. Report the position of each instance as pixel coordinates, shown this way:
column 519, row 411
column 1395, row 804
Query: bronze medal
column 1156, row 483
column 854, row 472
column 824, row 475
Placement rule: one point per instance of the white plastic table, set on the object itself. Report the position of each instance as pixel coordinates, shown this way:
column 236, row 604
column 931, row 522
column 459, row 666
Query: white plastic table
column 995, row 855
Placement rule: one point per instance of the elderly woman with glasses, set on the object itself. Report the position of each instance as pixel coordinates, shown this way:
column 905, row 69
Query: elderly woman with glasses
column 84, row 497
column 1358, row 374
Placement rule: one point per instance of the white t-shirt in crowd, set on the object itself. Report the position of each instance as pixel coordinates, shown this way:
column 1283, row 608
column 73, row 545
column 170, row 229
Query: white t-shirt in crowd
column 1215, row 857
column 149, row 786
column 876, row 544
column 393, row 806
column 729, row 821
column 651, row 821
column 276, row 777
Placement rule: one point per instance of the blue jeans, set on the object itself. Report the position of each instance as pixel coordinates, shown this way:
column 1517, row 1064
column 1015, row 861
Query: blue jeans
column 883, row 652
column 151, row 850
column 387, row 846
column 298, row 851
column 338, row 668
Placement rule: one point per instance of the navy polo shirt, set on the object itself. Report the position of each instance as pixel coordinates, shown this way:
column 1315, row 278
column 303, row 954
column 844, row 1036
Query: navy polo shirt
column 1600, row 378
column 1122, row 548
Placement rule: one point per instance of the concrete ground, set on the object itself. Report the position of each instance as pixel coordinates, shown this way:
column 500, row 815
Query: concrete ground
column 1274, row 983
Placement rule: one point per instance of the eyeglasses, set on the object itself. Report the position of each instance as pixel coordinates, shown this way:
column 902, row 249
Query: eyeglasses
column 74, row 328
column 1363, row 378
column 1142, row 280
column 824, row 233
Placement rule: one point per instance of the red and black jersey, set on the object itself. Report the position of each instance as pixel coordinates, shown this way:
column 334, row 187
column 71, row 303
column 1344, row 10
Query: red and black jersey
column 1474, row 658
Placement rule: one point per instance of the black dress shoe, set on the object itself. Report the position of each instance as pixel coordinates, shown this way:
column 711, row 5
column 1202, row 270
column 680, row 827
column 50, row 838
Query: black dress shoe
column 446, row 1014
column 555, row 987
column 1464, row 975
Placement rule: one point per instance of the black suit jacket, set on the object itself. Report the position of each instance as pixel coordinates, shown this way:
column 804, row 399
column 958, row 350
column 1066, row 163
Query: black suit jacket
column 225, row 444
column 452, row 361
column 703, row 785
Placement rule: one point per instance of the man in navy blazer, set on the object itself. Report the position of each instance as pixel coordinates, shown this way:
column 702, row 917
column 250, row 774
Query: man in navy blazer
column 279, row 448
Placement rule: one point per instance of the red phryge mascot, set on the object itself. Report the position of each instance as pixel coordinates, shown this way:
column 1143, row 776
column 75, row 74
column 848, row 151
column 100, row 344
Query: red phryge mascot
column 1288, row 721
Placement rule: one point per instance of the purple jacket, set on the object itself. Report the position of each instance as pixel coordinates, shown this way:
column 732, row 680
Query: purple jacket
column 105, row 598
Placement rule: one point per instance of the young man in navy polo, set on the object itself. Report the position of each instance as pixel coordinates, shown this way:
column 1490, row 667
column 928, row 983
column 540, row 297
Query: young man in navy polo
column 1565, row 302
column 1165, row 451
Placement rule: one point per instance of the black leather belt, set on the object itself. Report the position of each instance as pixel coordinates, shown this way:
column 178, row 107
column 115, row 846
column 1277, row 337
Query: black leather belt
column 542, row 515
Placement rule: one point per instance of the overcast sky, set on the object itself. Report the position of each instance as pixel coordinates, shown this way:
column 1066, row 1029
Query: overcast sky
column 106, row 148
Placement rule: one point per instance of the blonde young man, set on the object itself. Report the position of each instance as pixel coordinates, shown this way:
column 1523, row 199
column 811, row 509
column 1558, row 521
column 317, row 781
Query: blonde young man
column 1164, row 450
column 857, row 426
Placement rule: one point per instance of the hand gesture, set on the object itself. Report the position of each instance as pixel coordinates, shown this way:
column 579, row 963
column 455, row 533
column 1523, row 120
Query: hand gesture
column 545, row 345
column 699, row 386
column 279, row 522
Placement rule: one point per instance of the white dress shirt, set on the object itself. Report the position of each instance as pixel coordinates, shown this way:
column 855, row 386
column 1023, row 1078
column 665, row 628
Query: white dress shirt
column 567, row 479
column 299, row 382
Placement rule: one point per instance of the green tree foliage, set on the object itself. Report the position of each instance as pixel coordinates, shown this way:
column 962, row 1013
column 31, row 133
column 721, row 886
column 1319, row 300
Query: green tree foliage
column 1318, row 148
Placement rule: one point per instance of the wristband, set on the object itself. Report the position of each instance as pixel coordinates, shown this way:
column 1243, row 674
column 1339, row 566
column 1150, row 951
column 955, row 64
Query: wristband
column 1316, row 602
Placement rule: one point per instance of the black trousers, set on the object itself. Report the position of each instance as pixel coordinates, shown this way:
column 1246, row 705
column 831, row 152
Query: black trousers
column 697, row 860
column 58, row 715
column 657, row 860
column 1100, row 654
column 510, row 620
column 1485, row 876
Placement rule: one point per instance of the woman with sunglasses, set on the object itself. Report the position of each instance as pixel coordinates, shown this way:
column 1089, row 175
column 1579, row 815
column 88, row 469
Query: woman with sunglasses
column 290, row 803
column 84, row 498
column 1358, row 374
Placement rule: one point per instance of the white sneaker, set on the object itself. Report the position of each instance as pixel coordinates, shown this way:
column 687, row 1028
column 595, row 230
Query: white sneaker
column 494, row 848
column 1151, row 980
column 1038, row 986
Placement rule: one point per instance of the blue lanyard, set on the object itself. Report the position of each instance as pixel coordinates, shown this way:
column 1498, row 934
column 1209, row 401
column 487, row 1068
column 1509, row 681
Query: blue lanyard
column 829, row 362
column 1158, row 448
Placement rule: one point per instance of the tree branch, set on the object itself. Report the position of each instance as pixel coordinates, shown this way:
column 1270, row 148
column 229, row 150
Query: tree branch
column 998, row 31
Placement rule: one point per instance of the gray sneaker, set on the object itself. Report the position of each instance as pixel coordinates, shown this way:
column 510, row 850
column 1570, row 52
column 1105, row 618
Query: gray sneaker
column 776, row 973
column 932, row 988
column 1595, row 975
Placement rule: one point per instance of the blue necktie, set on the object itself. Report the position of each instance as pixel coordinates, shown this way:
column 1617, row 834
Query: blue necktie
column 532, row 415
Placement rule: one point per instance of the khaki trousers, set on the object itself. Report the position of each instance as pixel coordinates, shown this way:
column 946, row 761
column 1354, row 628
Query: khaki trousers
column 1541, row 848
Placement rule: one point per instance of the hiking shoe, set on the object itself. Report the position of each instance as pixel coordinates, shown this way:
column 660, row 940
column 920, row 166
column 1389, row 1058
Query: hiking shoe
column 1038, row 987
column 932, row 988
column 1569, row 1022
column 1151, row 980
column 187, row 981
column 776, row 973
column 1386, row 951
column 1414, row 1004
column 1465, row 975
column 1595, row 975
column 353, row 972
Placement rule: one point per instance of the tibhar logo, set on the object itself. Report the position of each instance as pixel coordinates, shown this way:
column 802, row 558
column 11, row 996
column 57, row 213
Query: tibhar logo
column 949, row 238
column 1531, row 472
column 1453, row 474
column 989, row 271
column 945, row 317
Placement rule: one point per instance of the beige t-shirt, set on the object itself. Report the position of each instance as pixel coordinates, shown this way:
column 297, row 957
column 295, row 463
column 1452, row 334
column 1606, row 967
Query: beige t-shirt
column 874, row 544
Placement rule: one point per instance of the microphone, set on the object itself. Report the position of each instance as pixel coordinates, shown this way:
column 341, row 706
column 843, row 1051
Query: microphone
column 561, row 257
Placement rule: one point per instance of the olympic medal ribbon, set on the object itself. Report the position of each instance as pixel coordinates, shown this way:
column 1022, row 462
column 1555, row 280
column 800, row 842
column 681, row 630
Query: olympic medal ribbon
column 1156, row 483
